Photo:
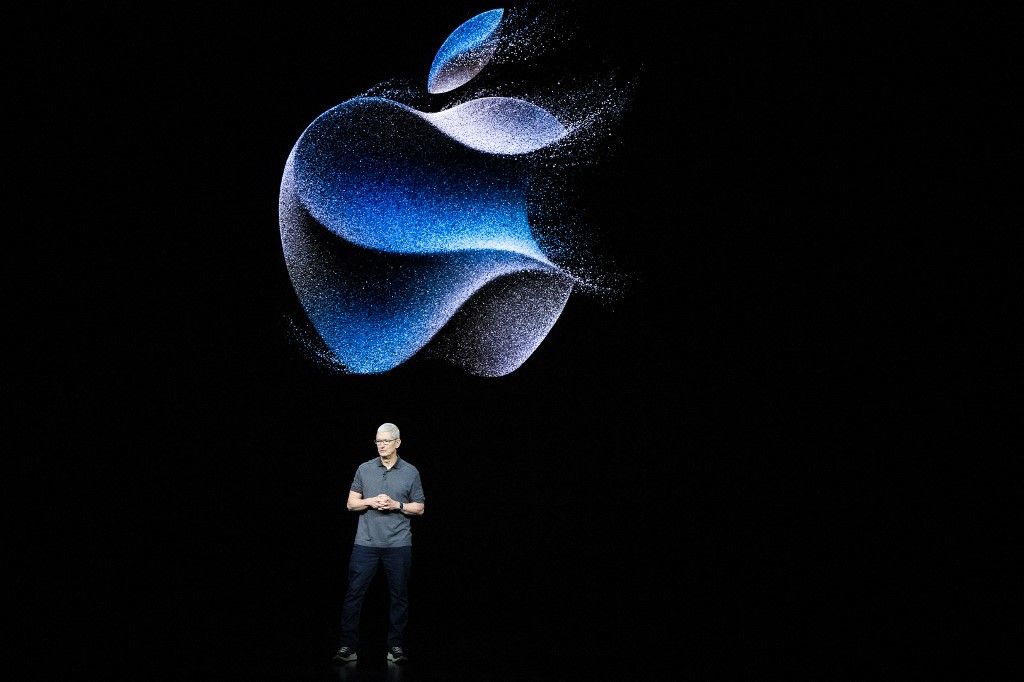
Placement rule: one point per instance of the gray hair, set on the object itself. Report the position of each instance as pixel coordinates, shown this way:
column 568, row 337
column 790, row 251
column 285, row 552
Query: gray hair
column 389, row 429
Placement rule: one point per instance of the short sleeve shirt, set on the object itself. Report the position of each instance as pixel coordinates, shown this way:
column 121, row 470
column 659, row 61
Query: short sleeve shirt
column 401, row 482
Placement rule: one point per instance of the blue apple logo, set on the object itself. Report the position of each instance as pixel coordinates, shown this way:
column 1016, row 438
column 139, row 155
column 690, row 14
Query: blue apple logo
column 406, row 232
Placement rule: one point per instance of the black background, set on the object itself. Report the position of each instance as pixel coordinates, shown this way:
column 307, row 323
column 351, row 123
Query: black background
column 720, row 472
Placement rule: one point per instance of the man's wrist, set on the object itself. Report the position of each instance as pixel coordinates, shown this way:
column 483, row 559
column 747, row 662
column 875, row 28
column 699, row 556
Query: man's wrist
column 401, row 506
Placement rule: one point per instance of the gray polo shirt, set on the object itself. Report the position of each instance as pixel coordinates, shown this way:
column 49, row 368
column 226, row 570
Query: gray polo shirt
column 402, row 483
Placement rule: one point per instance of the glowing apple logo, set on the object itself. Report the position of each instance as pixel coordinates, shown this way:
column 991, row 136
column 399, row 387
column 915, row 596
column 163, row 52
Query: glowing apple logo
column 407, row 232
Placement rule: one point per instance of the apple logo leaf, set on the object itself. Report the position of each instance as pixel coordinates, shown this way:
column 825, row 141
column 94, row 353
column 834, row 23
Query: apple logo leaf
column 465, row 53
column 495, row 125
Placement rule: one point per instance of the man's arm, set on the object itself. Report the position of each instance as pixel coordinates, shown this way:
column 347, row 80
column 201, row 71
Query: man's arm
column 414, row 508
column 356, row 502
column 391, row 504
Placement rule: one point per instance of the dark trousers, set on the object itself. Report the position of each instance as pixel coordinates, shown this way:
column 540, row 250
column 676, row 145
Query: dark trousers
column 362, row 567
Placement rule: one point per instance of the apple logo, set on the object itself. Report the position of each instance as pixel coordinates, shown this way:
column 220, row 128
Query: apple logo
column 407, row 232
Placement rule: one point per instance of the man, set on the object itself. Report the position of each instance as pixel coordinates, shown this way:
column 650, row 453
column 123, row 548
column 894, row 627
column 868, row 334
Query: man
column 385, row 492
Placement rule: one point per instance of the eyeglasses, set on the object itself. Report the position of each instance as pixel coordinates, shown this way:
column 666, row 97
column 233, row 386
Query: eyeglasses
column 386, row 440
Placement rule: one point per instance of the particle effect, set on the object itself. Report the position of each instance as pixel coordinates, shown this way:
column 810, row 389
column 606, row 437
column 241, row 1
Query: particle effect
column 465, row 53
column 407, row 232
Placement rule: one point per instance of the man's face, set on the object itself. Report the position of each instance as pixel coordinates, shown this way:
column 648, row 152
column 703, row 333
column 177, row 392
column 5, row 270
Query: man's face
column 386, row 444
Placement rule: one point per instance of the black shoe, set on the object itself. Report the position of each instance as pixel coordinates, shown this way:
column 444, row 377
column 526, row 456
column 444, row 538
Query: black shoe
column 396, row 654
column 345, row 654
